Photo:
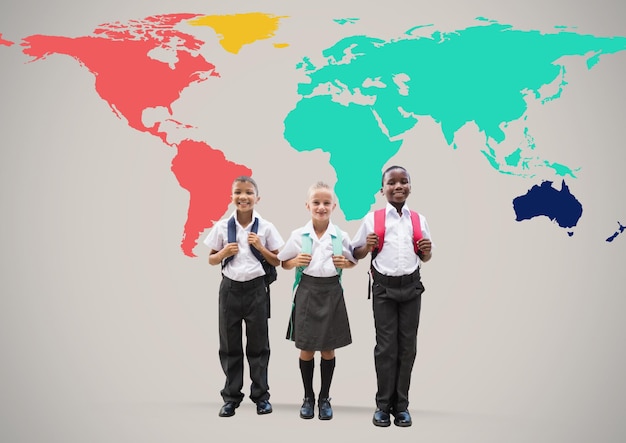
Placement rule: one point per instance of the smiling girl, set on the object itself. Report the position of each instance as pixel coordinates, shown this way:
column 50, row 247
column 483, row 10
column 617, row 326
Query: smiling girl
column 319, row 250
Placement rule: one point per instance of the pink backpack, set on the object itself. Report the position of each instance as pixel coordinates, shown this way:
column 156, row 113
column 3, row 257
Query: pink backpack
column 379, row 228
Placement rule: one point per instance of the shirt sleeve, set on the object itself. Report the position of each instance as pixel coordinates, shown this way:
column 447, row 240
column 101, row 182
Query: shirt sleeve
column 367, row 227
column 274, row 240
column 215, row 240
column 292, row 247
column 347, row 247
column 426, row 229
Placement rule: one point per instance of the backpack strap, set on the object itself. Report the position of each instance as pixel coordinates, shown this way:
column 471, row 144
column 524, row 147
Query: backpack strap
column 232, row 237
column 307, row 243
column 379, row 229
column 255, row 251
column 306, row 248
column 417, row 229
column 264, row 263
column 337, row 240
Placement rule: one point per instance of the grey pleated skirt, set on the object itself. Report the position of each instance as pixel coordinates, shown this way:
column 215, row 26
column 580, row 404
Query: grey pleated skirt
column 319, row 319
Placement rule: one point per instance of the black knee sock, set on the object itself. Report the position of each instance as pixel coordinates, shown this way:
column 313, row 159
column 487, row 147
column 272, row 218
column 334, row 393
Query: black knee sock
column 327, row 367
column 306, row 369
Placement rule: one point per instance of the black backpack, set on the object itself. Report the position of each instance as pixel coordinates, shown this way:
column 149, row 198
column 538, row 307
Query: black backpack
column 270, row 271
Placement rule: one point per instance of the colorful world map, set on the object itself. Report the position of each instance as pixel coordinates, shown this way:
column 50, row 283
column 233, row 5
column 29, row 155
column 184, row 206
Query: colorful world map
column 357, row 105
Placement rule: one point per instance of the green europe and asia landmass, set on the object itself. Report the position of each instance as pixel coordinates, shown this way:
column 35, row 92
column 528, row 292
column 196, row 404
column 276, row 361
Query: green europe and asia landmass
column 366, row 96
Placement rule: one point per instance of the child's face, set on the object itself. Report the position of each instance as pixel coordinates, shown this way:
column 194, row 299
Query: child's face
column 321, row 204
column 396, row 186
column 244, row 196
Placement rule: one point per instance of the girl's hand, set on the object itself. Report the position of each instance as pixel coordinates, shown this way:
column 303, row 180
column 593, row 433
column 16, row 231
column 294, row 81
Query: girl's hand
column 340, row 261
column 302, row 259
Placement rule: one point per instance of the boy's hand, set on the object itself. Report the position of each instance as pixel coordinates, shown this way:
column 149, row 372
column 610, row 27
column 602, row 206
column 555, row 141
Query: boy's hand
column 254, row 240
column 302, row 259
column 371, row 241
column 424, row 245
column 230, row 249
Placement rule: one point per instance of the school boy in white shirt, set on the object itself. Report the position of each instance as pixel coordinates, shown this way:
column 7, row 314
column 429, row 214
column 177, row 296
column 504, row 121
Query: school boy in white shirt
column 243, row 297
column 397, row 291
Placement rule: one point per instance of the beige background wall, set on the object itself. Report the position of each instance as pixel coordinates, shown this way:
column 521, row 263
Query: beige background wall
column 108, row 332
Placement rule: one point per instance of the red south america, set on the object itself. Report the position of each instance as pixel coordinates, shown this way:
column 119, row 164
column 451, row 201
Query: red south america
column 208, row 177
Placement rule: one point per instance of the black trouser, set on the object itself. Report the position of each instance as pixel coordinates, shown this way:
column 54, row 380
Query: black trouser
column 244, row 301
column 396, row 305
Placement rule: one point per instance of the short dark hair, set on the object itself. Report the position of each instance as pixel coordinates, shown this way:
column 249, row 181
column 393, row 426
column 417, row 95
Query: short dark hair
column 391, row 168
column 244, row 179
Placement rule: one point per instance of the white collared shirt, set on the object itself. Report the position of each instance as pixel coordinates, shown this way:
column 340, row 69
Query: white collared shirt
column 244, row 266
column 321, row 264
column 397, row 256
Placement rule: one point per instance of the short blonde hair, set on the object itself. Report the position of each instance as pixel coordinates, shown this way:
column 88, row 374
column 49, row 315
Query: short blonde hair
column 320, row 185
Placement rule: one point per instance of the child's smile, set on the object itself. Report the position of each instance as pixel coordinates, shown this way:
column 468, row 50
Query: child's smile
column 244, row 196
column 396, row 186
column 321, row 204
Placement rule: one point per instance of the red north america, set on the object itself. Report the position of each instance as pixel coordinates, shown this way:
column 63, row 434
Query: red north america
column 144, row 64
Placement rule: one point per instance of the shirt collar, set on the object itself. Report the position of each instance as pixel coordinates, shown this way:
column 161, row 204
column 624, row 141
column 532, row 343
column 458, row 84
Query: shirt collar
column 391, row 209
column 254, row 215
column 308, row 229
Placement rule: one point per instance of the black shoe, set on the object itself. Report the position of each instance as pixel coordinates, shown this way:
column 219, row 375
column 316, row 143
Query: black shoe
column 228, row 409
column 402, row 419
column 306, row 410
column 381, row 418
column 263, row 407
column 325, row 411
